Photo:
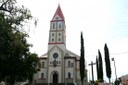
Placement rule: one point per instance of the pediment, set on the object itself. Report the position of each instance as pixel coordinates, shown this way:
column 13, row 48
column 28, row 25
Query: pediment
column 57, row 17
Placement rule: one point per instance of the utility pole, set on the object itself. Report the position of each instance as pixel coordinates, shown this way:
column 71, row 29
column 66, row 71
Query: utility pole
column 115, row 68
column 91, row 64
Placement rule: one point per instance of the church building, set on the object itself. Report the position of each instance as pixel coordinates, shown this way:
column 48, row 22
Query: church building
column 58, row 65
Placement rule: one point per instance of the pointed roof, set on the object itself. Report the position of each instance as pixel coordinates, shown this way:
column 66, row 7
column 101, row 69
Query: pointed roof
column 59, row 13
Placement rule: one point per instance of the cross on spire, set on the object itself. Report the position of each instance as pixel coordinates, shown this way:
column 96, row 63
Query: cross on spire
column 58, row 2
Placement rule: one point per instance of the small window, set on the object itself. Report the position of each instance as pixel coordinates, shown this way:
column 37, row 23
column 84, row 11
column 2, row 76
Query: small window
column 56, row 62
column 59, row 34
column 52, row 40
column 50, row 62
column 42, row 75
column 59, row 39
column 59, row 62
column 69, row 62
column 60, row 25
column 57, row 17
column 69, row 75
column 52, row 34
column 42, row 64
column 53, row 25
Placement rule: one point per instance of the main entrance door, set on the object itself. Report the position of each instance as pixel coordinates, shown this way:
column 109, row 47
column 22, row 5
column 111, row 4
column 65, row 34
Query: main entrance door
column 55, row 78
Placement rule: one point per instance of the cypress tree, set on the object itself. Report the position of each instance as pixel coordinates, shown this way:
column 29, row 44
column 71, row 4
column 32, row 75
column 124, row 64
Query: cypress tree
column 82, row 61
column 97, row 68
column 100, row 67
column 107, row 62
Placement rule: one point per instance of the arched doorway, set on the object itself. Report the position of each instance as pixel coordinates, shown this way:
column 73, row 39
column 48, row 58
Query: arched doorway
column 55, row 78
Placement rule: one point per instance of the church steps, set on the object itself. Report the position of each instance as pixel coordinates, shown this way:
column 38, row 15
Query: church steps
column 53, row 84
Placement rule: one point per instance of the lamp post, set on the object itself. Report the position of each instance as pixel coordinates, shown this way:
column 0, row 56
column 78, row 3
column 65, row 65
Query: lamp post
column 115, row 68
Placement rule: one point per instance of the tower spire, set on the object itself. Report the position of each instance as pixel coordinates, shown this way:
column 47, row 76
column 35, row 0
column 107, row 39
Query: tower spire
column 58, row 13
column 58, row 2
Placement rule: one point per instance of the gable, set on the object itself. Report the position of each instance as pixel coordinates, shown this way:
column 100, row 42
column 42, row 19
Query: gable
column 57, row 17
column 55, row 49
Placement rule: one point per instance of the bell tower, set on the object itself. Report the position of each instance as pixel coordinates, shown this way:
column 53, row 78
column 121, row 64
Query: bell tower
column 57, row 28
column 56, row 48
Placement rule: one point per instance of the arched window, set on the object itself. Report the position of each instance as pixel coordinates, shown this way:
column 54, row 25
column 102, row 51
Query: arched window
column 52, row 34
column 69, row 75
column 42, row 75
column 60, row 25
column 42, row 64
column 69, row 63
column 53, row 25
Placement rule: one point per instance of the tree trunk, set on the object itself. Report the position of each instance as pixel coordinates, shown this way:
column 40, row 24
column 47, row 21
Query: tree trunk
column 82, row 82
column 109, row 80
column 12, row 80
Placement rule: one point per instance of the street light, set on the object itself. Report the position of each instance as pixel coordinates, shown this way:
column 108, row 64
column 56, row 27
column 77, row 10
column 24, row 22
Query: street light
column 115, row 68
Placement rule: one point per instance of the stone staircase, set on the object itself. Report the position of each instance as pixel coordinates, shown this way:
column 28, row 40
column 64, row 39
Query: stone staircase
column 53, row 84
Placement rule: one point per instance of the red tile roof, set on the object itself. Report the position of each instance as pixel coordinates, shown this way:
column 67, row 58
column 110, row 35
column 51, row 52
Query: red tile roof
column 59, row 13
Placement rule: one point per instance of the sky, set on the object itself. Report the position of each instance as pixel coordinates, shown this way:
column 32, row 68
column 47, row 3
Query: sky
column 101, row 21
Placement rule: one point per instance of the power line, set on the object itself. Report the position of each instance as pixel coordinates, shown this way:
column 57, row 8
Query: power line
column 118, row 53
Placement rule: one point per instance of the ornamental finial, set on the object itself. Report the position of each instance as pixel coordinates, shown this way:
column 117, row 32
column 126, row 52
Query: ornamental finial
column 58, row 2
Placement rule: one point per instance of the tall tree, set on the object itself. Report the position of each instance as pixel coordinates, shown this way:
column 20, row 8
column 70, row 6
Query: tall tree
column 82, row 60
column 97, row 67
column 14, row 48
column 100, row 67
column 107, row 62
column 31, row 64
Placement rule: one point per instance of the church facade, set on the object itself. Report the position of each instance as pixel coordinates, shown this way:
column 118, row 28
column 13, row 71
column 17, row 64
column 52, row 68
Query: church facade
column 58, row 65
